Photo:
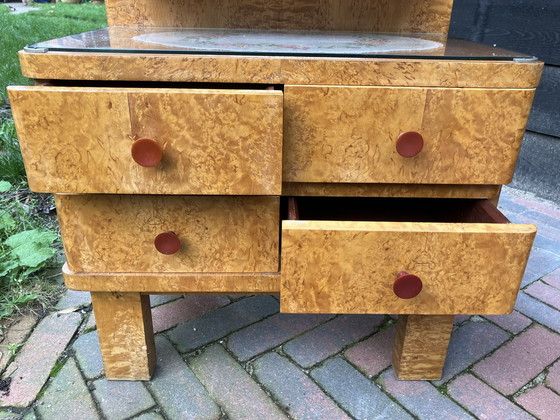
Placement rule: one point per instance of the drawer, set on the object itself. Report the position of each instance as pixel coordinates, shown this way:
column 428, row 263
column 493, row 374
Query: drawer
column 80, row 140
column 349, row 134
column 113, row 233
column 440, row 256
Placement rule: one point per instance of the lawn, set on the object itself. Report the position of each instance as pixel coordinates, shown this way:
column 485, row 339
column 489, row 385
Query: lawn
column 29, row 236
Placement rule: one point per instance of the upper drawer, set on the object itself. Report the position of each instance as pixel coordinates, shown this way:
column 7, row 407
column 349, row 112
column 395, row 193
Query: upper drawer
column 345, row 256
column 349, row 134
column 79, row 140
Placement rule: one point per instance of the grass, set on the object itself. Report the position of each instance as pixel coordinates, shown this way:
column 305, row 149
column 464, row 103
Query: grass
column 29, row 232
column 48, row 21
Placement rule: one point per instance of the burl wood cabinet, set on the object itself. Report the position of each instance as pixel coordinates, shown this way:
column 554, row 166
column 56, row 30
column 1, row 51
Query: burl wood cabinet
column 344, row 154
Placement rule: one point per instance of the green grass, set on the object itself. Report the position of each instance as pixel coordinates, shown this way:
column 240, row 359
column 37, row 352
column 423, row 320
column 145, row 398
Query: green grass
column 29, row 232
column 11, row 162
column 49, row 21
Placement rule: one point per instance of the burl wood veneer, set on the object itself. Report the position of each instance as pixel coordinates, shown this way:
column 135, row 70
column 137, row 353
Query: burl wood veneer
column 280, row 70
column 350, row 267
column 127, row 352
column 337, row 134
column 327, row 128
column 116, row 233
column 225, row 142
column 343, row 15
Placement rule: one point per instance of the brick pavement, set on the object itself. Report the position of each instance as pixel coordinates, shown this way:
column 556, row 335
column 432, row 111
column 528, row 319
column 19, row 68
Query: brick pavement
column 236, row 357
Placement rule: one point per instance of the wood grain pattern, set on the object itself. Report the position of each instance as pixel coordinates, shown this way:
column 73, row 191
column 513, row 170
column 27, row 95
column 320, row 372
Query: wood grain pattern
column 350, row 267
column 235, row 283
column 348, row 134
column 348, row 15
column 421, row 345
column 213, row 141
column 389, row 190
column 115, row 233
column 124, row 326
column 280, row 70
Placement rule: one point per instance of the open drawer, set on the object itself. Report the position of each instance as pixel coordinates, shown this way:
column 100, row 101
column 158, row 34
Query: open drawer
column 351, row 255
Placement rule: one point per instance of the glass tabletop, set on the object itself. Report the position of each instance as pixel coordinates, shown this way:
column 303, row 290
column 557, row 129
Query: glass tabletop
column 274, row 43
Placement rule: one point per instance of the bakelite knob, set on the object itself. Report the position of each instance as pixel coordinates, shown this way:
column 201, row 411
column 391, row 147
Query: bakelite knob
column 167, row 243
column 407, row 286
column 146, row 152
column 409, row 144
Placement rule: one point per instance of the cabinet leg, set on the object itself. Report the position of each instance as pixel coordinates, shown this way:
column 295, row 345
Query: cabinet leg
column 126, row 337
column 421, row 346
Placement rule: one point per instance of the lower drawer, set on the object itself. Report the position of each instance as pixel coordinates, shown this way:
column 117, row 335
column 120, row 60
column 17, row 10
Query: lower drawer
column 117, row 233
column 402, row 256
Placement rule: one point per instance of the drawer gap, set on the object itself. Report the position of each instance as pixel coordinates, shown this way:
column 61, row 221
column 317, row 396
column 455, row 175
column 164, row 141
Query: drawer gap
column 392, row 210
column 161, row 85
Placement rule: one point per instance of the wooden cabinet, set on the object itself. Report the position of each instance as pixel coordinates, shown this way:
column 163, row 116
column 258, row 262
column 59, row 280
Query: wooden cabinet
column 348, row 182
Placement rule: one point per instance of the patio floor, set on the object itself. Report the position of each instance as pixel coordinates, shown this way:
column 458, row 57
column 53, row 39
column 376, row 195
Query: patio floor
column 236, row 357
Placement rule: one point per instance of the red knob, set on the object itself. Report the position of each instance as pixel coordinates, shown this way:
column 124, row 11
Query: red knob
column 407, row 286
column 167, row 243
column 146, row 152
column 409, row 144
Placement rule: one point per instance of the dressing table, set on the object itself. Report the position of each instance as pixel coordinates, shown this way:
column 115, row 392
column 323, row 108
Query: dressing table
column 347, row 155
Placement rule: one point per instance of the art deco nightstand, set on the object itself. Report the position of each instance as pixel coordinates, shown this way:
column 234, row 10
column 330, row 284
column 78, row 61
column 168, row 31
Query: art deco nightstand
column 347, row 155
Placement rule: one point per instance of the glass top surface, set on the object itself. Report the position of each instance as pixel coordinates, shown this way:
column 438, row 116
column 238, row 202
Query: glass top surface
column 274, row 43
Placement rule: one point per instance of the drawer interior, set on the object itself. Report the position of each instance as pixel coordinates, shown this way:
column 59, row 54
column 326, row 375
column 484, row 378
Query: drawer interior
column 372, row 209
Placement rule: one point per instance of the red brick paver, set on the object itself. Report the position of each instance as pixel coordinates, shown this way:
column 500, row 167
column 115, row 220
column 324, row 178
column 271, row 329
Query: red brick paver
column 514, row 322
column 545, row 293
column 553, row 278
column 421, row 398
column 236, row 392
column 181, row 310
column 271, row 332
column 542, row 402
column 553, row 377
column 483, row 401
column 374, row 354
column 33, row 364
column 521, row 360
column 328, row 339
column 297, row 393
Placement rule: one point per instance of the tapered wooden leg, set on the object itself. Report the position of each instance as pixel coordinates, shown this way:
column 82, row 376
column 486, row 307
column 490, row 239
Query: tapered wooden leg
column 124, row 325
column 421, row 346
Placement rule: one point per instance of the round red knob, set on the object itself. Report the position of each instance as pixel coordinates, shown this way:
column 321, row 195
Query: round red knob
column 167, row 243
column 146, row 152
column 407, row 286
column 409, row 144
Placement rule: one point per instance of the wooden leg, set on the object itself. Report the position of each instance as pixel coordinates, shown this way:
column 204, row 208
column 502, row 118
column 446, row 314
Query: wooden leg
column 421, row 346
column 124, row 325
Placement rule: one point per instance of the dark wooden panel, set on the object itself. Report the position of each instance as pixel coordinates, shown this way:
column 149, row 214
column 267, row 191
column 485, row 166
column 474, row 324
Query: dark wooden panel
column 527, row 26
column 545, row 115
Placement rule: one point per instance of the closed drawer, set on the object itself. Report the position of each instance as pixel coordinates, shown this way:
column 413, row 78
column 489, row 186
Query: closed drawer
column 79, row 140
column 349, row 134
column 469, row 259
column 111, row 233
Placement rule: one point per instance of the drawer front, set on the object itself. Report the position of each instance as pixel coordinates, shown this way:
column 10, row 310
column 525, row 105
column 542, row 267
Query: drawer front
column 110, row 233
column 79, row 140
column 351, row 267
column 349, row 134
